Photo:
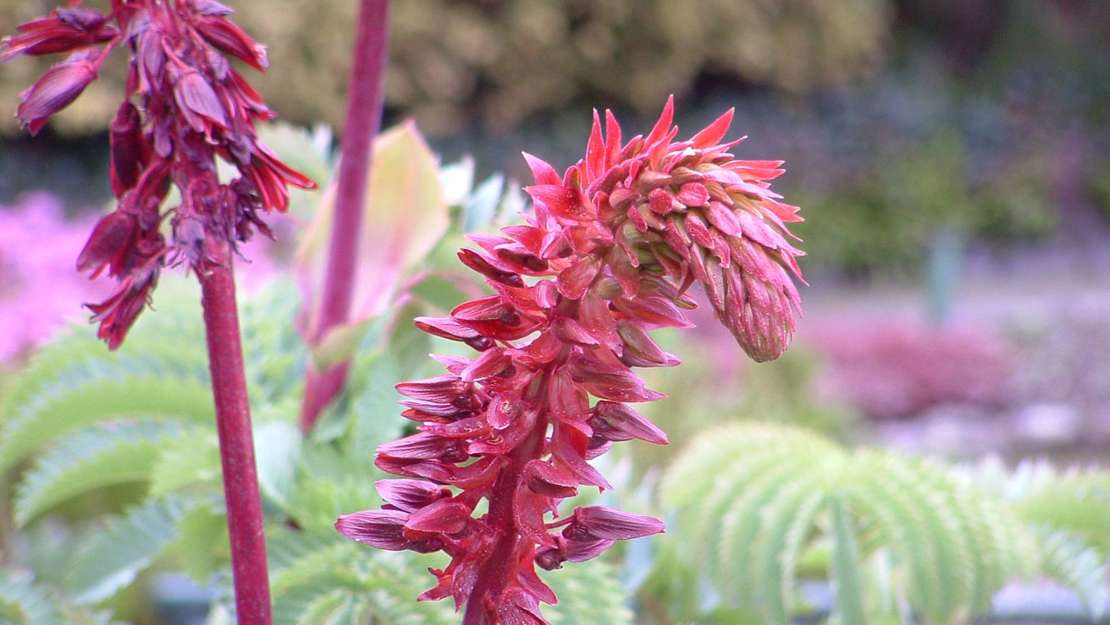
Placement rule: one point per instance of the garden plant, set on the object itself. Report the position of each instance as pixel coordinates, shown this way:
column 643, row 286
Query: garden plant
column 253, row 442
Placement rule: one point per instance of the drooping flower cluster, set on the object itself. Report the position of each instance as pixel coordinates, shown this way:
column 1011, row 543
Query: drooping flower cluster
column 605, row 256
column 185, row 105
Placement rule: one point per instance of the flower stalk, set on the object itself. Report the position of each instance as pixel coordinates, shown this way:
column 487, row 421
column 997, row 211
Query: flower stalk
column 364, row 113
column 185, row 107
column 233, row 424
column 606, row 255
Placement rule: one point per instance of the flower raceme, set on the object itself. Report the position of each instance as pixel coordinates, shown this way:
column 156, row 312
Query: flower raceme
column 606, row 255
column 184, row 106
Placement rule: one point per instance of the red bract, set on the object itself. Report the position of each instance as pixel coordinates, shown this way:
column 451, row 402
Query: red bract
column 185, row 105
column 604, row 257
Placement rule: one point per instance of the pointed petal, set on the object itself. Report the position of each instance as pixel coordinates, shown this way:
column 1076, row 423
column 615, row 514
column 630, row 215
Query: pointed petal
column 715, row 131
column 663, row 125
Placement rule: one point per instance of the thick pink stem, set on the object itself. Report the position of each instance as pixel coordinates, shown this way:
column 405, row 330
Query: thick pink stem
column 364, row 113
column 499, row 568
column 233, row 422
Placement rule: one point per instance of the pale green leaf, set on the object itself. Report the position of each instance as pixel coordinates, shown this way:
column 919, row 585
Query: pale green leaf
column 186, row 461
column 1068, row 559
column 91, row 459
column 24, row 603
column 278, row 449
column 589, row 593
column 406, row 215
column 457, row 179
column 77, row 384
column 111, row 558
column 482, row 204
column 845, row 566
column 202, row 543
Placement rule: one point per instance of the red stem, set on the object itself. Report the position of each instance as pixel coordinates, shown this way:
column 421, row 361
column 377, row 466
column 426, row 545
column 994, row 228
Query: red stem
column 501, row 564
column 233, row 421
column 364, row 113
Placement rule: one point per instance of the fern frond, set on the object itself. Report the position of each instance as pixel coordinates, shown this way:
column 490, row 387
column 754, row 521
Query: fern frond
column 844, row 569
column 91, row 459
column 275, row 353
column 24, row 603
column 313, row 574
column 75, row 384
column 186, row 461
column 110, row 558
column 751, row 499
column 201, row 548
column 589, row 593
column 1078, row 503
column 1081, row 567
column 948, row 563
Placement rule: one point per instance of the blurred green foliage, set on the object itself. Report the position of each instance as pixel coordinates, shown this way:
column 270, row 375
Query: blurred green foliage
column 884, row 220
column 756, row 507
column 503, row 60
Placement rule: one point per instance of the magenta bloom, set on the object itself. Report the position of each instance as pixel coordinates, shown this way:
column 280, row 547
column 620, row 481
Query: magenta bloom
column 605, row 257
column 184, row 106
column 39, row 288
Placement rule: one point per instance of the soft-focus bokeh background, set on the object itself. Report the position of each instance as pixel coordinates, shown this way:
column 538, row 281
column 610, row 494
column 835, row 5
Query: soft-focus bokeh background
column 950, row 156
column 952, row 159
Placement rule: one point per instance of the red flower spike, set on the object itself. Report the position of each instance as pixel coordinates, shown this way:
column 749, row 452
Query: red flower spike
column 183, row 107
column 608, row 250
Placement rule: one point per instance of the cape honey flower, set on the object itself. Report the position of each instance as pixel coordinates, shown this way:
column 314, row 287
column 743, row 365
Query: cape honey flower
column 606, row 256
column 184, row 107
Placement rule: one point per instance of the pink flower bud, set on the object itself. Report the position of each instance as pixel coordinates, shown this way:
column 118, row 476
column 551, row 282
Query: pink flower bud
column 378, row 528
column 127, row 149
column 231, row 39
column 617, row 422
column 198, row 102
column 55, row 90
column 607, row 523
column 64, row 30
column 410, row 495
column 445, row 516
column 110, row 241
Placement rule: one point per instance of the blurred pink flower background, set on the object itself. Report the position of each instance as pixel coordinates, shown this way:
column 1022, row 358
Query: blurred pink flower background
column 40, row 289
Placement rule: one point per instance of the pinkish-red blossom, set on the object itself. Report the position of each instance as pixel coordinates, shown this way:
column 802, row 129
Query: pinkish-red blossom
column 184, row 107
column 605, row 256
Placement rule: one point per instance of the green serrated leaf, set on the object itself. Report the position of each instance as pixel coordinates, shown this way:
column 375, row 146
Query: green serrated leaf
column 24, row 603
column 333, row 608
column 383, row 584
column 1080, row 566
column 457, row 179
column 749, row 501
column 788, row 521
column 589, row 593
column 482, row 203
column 330, row 483
column 91, row 459
column 145, row 382
column 186, row 461
column 845, row 566
column 202, row 542
column 278, row 451
column 377, row 413
column 111, row 558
